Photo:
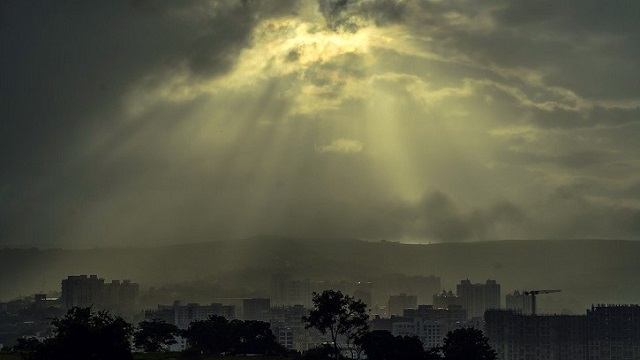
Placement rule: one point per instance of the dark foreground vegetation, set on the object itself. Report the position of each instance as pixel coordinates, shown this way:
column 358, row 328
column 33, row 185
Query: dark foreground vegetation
column 83, row 334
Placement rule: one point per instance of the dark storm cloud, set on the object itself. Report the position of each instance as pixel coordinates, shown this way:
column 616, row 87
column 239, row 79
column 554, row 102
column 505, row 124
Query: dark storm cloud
column 594, row 187
column 570, row 42
column 573, row 215
column 435, row 218
column 572, row 160
column 331, row 78
column 438, row 218
column 598, row 116
column 66, row 65
column 350, row 15
column 223, row 35
column 588, row 15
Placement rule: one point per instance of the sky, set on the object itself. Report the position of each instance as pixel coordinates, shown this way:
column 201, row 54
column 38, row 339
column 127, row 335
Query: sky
column 156, row 122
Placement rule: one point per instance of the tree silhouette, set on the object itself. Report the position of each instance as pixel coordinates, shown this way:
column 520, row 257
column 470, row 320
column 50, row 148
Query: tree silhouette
column 27, row 347
column 155, row 335
column 382, row 345
column 253, row 337
column 82, row 334
column 217, row 335
column 379, row 345
column 338, row 315
column 209, row 337
column 467, row 344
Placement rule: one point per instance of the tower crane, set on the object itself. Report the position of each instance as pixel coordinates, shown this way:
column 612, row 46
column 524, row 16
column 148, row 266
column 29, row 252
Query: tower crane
column 534, row 293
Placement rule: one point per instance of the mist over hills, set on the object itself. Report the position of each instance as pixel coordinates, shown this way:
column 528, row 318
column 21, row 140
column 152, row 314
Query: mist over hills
column 587, row 271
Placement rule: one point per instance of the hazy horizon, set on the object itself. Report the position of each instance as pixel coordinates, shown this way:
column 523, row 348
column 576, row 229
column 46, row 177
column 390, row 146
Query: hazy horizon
column 588, row 272
column 294, row 238
column 138, row 123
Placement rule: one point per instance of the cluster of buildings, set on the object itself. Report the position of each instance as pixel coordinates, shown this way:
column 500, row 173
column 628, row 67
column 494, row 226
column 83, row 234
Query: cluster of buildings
column 514, row 331
column 604, row 332
column 286, row 320
column 399, row 313
column 449, row 312
column 92, row 291
column 396, row 289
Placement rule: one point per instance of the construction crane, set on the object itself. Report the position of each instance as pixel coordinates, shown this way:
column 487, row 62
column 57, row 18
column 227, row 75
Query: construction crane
column 534, row 293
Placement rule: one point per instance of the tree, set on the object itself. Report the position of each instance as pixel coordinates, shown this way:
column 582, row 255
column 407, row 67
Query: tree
column 27, row 347
column 467, row 344
column 382, row 345
column 253, row 337
column 378, row 345
column 217, row 335
column 155, row 335
column 338, row 315
column 209, row 337
column 82, row 334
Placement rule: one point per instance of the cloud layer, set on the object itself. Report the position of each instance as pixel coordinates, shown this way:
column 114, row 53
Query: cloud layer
column 161, row 122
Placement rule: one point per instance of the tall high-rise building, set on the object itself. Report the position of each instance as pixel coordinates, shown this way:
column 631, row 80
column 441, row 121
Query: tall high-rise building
column 83, row 291
column 518, row 301
column 92, row 291
column 121, row 295
column 515, row 336
column 609, row 332
column 445, row 299
column 614, row 332
column 477, row 298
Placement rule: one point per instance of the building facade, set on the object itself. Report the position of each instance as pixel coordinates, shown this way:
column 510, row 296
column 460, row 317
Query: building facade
column 183, row 315
column 92, row 291
column 614, row 332
column 256, row 309
column 519, row 302
column 477, row 298
column 445, row 299
column 83, row 291
column 516, row 336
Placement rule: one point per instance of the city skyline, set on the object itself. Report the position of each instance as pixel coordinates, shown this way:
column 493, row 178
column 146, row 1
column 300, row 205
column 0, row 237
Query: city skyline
column 602, row 271
column 603, row 331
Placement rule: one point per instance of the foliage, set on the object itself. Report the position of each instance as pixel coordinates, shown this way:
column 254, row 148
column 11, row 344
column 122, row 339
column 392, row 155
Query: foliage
column 84, row 335
column 382, row 345
column 320, row 352
column 27, row 345
column 467, row 344
column 338, row 315
column 217, row 335
column 253, row 337
column 155, row 335
column 209, row 337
